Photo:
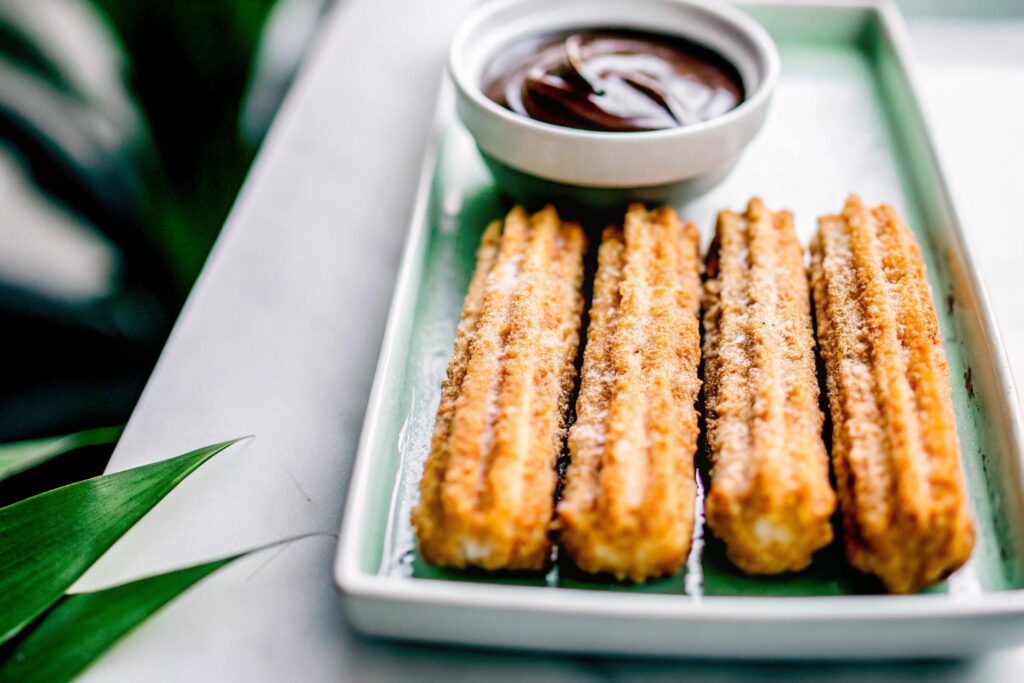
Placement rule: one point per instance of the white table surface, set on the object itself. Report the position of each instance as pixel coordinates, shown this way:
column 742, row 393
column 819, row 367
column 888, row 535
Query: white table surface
column 280, row 339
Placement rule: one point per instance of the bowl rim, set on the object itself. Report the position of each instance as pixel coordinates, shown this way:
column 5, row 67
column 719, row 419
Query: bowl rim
column 765, row 50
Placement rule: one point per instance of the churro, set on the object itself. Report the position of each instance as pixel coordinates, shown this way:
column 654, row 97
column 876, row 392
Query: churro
column 894, row 443
column 770, row 499
column 628, row 503
column 488, row 486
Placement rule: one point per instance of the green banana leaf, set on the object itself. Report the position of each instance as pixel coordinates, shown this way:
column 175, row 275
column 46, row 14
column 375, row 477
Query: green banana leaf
column 50, row 540
column 82, row 626
column 20, row 456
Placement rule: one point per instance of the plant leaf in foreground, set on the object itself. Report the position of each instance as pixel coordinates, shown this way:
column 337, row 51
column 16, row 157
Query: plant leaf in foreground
column 50, row 540
column 22, row 455
column 80, row 627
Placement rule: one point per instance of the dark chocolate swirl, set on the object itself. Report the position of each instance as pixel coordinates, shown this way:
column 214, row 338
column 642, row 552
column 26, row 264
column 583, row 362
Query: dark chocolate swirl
column 614, row 80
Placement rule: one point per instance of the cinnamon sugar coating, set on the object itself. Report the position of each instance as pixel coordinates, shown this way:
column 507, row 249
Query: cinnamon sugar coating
column 628, row 504
column 894, row 444
column 770, row 500
column 488, row 485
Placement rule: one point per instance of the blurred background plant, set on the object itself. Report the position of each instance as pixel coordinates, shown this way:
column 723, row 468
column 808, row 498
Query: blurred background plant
column 126, row 130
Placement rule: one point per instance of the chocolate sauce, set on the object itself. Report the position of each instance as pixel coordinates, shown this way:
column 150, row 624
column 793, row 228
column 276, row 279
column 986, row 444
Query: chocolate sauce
column 613, row 80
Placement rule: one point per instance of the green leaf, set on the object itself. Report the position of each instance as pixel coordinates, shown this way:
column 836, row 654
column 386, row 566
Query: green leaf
column 50, row 540
column 82, row 626
column 22, row 50
column 20, row 456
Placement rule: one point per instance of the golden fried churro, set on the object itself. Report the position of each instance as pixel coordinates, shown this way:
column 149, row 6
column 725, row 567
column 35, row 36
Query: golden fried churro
column 628, row 503
column 488, row 486
column 894, row 444
column 770, row 499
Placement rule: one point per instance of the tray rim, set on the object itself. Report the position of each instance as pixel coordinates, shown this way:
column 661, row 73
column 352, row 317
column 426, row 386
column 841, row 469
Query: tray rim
column 353, row 582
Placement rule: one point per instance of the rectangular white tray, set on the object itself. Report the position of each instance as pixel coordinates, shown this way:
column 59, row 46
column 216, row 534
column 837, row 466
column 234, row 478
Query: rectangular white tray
column 846, row 118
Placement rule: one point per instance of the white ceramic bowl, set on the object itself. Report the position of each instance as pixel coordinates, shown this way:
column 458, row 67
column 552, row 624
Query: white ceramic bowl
column 530, row 157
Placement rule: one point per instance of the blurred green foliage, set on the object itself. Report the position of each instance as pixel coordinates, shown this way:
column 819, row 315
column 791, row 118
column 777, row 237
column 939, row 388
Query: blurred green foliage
column 119, row 138
column 190, row 63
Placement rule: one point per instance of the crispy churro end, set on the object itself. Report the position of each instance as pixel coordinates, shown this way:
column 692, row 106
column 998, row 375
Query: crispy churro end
column 547, row 212
column 691, row 240
column 665, row 215
column 756, row 208
column 852, row 208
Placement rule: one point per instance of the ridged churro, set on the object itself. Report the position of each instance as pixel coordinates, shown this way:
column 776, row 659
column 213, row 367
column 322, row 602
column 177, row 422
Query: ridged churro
column 894, row 443
column 628, row 503
column 770, row 499
column 488, row 486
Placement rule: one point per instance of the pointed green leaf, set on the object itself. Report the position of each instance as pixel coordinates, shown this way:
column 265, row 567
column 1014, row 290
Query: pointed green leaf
column 82, row 626
column 50, row 540
column 20, row 456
